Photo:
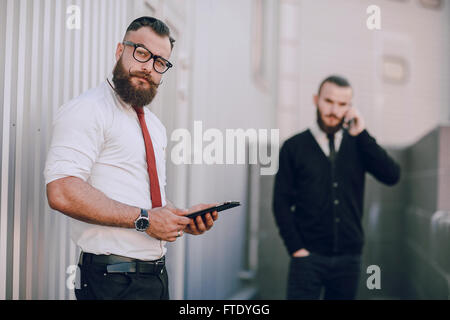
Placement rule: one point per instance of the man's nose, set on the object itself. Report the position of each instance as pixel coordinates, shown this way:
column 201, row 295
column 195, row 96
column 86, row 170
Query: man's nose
column 148, row 66
column 334, row 108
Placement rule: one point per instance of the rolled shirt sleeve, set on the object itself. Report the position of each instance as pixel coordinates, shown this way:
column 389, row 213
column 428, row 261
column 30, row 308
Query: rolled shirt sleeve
column 78, row 136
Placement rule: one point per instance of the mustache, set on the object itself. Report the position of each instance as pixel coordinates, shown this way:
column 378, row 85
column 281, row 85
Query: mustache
column 332, row 116
column 143, row 75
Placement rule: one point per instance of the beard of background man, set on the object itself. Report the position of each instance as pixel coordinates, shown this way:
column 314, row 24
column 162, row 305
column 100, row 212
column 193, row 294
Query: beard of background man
column 325, row 128
column 129, row 93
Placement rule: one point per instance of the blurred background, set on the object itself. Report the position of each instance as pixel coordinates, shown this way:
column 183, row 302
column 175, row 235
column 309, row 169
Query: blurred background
column 238, row 64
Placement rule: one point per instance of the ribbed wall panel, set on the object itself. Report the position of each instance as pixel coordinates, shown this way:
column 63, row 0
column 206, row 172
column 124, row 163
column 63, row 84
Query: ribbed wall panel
column 43, row 64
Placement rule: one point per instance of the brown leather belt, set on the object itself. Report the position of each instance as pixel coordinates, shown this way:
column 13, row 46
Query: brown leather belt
column 118, row 264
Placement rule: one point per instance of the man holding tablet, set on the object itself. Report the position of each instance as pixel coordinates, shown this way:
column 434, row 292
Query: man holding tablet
column 106, row 170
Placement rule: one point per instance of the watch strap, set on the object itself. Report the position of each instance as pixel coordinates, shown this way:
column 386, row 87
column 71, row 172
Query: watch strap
column 144, row 213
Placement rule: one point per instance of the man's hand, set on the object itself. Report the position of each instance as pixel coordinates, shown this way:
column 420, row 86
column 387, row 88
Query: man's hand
column 198, row 225
column 167, row 223
column 301, row 253
column 358, row 124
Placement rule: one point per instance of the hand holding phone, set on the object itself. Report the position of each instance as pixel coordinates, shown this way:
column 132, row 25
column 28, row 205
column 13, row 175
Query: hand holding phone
column 353, row 122
column 220, row 207
column 202, row 220
column 348, row 124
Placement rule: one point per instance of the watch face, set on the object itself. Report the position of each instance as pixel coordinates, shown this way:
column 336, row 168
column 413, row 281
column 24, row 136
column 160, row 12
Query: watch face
column 142, row 224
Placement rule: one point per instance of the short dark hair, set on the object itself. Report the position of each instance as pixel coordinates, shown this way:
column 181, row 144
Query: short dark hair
column 156, row 25
column 337, row 80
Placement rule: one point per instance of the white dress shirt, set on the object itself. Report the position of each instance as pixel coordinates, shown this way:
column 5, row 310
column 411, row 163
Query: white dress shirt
column 322, row 139
column 97, row 138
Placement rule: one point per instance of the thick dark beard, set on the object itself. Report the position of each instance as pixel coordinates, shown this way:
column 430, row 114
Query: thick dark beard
column 324, row 127
column 127, row 92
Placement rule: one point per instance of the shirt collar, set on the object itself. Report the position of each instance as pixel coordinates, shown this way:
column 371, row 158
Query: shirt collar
column 320, row 135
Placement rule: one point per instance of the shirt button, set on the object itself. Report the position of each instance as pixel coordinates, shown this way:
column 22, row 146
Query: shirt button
column 335, row 184
column 336, row 202
column 337, row 220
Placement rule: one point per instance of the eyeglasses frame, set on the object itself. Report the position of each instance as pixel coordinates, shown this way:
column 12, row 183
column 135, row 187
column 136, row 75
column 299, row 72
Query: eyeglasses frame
column 152, row 56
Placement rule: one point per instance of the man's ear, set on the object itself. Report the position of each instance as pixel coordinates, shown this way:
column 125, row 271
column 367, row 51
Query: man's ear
column 316, row 99
column 119, row 51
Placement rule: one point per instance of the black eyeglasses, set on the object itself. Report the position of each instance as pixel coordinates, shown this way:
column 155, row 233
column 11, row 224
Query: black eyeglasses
column 142, row 54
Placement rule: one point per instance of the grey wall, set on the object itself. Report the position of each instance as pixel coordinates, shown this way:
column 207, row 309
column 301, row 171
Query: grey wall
column 224, row 95
column 384, row 229
column 427, row 216
column 407, row 227
column 273, row 256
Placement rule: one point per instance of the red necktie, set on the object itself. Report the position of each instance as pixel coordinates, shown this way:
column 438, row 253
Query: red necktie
column 155, row 192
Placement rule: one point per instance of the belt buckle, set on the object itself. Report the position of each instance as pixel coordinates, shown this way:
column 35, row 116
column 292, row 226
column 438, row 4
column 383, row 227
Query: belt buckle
column 159, row 264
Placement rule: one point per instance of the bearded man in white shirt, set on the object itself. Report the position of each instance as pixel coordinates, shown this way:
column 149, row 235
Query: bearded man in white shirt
column 106, row 170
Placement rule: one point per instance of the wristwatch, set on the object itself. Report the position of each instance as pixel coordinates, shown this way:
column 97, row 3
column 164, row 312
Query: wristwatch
column 142, row 222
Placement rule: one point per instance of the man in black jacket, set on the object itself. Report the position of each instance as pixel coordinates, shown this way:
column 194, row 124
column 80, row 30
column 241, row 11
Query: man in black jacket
column 318, row 195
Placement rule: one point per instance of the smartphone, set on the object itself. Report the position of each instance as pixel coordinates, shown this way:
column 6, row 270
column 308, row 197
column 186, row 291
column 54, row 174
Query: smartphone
column 348, row 124
column 220, row 207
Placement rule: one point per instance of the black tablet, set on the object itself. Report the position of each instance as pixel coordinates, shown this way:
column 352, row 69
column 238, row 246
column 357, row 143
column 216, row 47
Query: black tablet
column 220, row 207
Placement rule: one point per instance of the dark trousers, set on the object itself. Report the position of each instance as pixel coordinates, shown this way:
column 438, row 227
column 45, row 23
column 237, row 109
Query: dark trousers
column 97, row 284
column 338, row 275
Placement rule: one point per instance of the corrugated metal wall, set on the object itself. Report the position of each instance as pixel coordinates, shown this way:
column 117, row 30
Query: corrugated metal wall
column 43, row 64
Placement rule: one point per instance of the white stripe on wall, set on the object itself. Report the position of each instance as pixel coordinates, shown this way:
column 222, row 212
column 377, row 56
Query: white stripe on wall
column 5, row 148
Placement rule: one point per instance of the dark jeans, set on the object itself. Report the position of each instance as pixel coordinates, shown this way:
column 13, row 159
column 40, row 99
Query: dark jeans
column 338, row 275
column 97, row 284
